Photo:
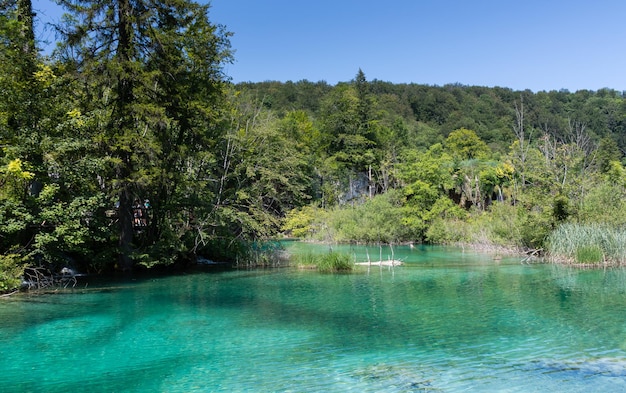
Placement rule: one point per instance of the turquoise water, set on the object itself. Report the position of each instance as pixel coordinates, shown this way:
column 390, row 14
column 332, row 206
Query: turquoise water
column 445, row 321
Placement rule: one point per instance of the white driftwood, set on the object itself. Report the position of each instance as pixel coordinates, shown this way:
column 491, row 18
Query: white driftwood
column 391, row 262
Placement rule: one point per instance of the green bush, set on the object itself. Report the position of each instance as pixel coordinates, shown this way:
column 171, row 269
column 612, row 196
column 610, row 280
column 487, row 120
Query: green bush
column 301, row 222
column 446, row 231
column 11, row 271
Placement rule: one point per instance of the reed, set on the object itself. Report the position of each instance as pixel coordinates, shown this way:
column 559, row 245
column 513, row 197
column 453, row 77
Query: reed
column 327, row 263
column 306, row 261
column 587, row 244
column 589, row 254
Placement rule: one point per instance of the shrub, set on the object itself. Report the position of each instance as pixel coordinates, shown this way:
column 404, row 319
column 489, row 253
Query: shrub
column 447, row 231
column 301, row 222
column 11, row 271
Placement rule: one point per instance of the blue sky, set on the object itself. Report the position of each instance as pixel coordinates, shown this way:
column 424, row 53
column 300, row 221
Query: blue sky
column 521, row 44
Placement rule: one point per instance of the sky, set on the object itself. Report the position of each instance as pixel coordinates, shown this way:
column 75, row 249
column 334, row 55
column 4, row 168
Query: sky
column 521, row 44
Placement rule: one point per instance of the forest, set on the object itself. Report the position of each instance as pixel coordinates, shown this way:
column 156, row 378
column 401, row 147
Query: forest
column 128, row 148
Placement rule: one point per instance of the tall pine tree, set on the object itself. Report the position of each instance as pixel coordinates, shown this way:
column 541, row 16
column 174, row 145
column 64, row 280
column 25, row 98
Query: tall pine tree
column 154, row 69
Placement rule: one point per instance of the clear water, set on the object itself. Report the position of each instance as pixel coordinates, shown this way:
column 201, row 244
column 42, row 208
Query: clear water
column 445, row 321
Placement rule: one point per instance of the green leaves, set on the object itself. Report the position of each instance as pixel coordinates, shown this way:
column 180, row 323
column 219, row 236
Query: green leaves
column 464, row 144
column 153, row 104
column 11, row 271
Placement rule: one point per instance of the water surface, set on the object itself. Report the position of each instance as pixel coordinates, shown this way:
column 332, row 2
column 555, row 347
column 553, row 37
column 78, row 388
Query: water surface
column 445, row 321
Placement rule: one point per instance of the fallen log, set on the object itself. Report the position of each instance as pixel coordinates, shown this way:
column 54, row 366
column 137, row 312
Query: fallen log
column 391, row 262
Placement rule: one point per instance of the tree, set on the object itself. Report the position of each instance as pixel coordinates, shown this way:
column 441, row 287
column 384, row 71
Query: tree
column 21, row 107
column 464, row 144
column 608, row 151
column 21, row 104
column 154, row 68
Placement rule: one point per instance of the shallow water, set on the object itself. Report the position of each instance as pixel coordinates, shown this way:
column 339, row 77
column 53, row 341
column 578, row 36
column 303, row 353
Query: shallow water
column 444, row 321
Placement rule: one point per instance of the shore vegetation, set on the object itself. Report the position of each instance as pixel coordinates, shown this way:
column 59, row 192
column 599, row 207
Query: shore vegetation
column 144, row 155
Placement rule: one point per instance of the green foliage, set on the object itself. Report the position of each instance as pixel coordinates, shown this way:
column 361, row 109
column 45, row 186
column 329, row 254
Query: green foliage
column 307, row 260
column 447, row 231
column 97, row 127
column 501, row 225
column 11, row 271
column 14, row 179
column 14, row 218
column 159, row 98
column 378, row 220
column 434, row 167
column 75, row 224
column 604, row 204
column 608, row 152
column 615, row 174
column 464, row 144
column 560, row 208
column 301, row 222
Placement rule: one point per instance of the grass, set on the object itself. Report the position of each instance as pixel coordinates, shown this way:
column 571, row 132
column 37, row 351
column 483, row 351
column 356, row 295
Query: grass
column 327, row 263
column 588, row 244
column 589, row 254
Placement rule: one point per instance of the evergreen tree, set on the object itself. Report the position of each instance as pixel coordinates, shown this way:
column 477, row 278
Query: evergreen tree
column 153, row 68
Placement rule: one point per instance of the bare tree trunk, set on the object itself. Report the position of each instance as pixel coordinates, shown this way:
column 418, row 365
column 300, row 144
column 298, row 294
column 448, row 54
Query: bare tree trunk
column 522, row 138
column 369, row 177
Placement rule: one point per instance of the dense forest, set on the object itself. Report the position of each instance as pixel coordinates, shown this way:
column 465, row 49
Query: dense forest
column 129, row 148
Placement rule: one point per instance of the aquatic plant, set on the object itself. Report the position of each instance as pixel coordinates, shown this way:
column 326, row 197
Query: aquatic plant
column 326, row 263
column 335, row 261
column 587, row 244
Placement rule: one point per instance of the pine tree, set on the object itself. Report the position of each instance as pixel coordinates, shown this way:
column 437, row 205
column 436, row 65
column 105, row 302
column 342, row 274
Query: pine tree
column 153, row 68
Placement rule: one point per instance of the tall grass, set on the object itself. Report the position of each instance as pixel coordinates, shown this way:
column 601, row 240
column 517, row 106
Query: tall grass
column 587, row 244
column 327, row 263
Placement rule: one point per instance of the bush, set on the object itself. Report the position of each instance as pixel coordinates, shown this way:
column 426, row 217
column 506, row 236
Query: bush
column 301, row 222
column 446, row 231
column 377, row 220
column 11, row 272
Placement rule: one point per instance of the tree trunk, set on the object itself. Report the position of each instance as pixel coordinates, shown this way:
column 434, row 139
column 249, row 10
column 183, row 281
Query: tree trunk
column 124, row 101
column 126, row 218
column 25, row 15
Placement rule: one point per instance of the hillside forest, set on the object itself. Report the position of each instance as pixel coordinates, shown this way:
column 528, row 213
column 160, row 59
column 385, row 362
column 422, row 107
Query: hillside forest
column 128, row 148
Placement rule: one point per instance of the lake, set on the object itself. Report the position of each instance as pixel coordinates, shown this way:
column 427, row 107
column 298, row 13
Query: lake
column 445, row 321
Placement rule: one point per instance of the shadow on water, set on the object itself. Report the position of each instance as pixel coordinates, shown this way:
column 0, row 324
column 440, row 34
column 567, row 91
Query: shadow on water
column 115, row 379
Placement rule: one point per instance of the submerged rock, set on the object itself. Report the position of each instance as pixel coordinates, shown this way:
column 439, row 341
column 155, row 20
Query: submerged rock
column 584, row 368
